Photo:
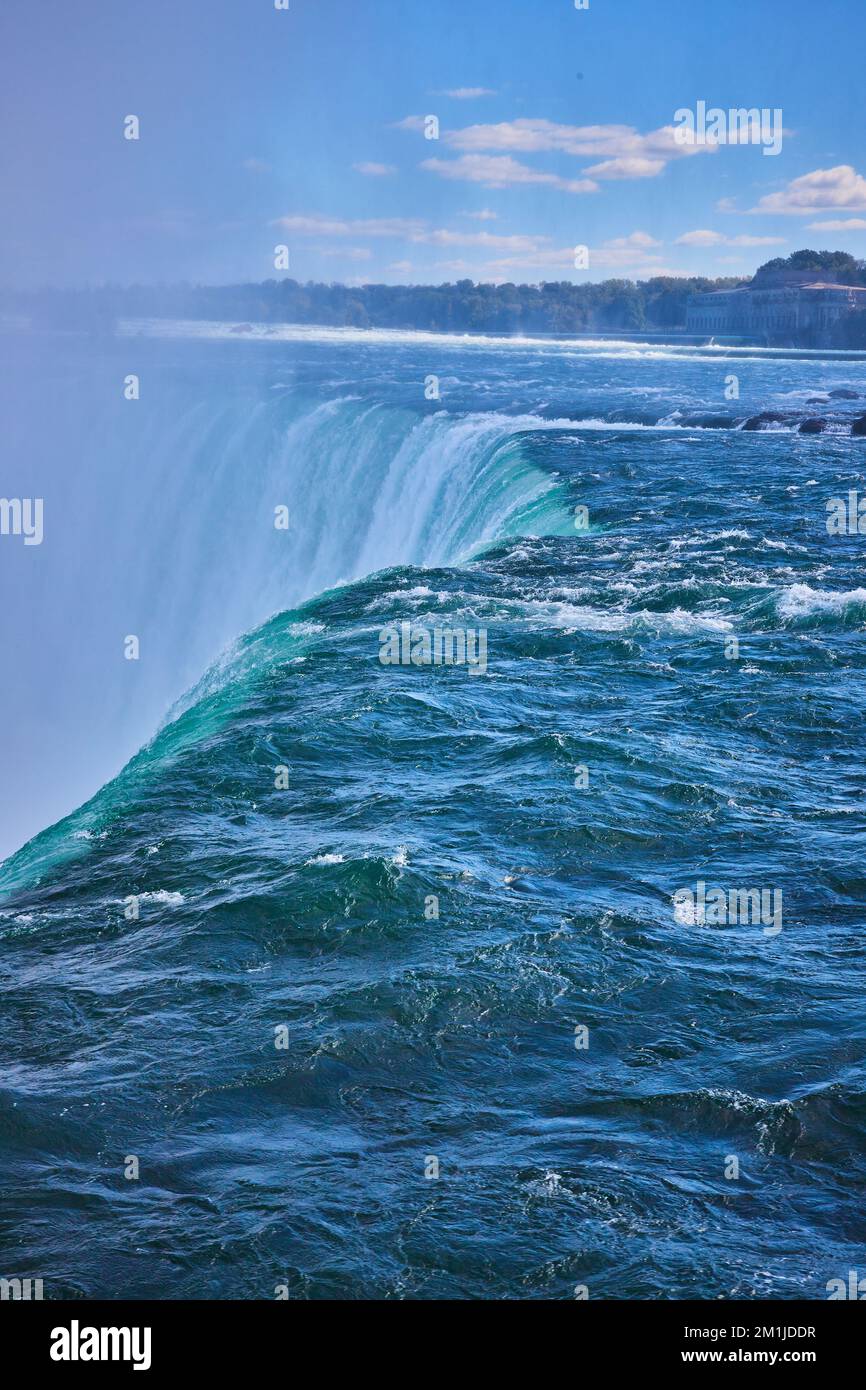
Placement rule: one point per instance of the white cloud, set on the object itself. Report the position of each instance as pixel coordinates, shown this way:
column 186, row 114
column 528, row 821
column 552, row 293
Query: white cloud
column 409, row 123
column 603, row 141
column 527, row 271
column 257, row 166
column 632, row 255
column 476, row 272
column 468, row 93
column 561, row 266
column 699, row 238
column 708, row 238
column 852, row 224
column 531, row 255
column 756, row 241
column 414, row 231
column 375, row 171
column 347, row 253
column 489, row 240
column 330, row 226
column 830, row 190
column 635, row 240
column 501, row 171
column 482, row 215
column 408, row 229
column 636, row 252
column 623, row 151
column 627, row 167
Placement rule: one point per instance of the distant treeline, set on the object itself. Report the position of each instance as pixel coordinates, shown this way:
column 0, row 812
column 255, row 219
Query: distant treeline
column 846, row 269
column 464, row 307
column 612, row 306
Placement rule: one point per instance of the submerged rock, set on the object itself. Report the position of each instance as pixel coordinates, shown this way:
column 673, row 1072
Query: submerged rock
column 859, row 425
column 767, row 417
column 710, row 422
column 813, row 426
column 843, row 394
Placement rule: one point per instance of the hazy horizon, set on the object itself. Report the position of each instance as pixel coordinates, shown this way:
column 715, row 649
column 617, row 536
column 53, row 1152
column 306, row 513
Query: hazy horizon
column 421, row 152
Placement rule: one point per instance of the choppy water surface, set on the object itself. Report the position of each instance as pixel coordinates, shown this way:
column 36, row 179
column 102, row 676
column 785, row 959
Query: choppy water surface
column 287, row 1035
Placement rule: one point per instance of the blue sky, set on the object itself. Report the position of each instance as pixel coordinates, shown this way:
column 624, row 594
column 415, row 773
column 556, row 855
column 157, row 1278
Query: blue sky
column 261, row 127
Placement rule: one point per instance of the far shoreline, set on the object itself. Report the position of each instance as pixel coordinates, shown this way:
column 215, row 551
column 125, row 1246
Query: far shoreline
column 268, row 331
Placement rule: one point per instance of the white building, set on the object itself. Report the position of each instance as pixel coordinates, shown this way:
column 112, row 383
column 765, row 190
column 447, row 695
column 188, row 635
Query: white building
column 779, row 307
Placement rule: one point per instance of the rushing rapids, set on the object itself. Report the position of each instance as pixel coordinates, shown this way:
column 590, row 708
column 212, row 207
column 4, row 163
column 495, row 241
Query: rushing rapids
column 320, row 956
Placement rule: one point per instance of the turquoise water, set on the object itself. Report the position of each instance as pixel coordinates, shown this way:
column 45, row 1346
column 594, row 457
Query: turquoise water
column 296, row 1004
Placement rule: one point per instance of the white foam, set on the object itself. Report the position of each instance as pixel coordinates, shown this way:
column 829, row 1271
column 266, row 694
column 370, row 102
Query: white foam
column 801, row 600
column 599, row 348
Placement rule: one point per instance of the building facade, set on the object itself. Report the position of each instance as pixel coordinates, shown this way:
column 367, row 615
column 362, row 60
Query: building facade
column 780, row 308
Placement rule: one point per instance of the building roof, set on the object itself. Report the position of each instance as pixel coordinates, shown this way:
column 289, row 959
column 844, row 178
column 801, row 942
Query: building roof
column 824, row 285
column 770, row 289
